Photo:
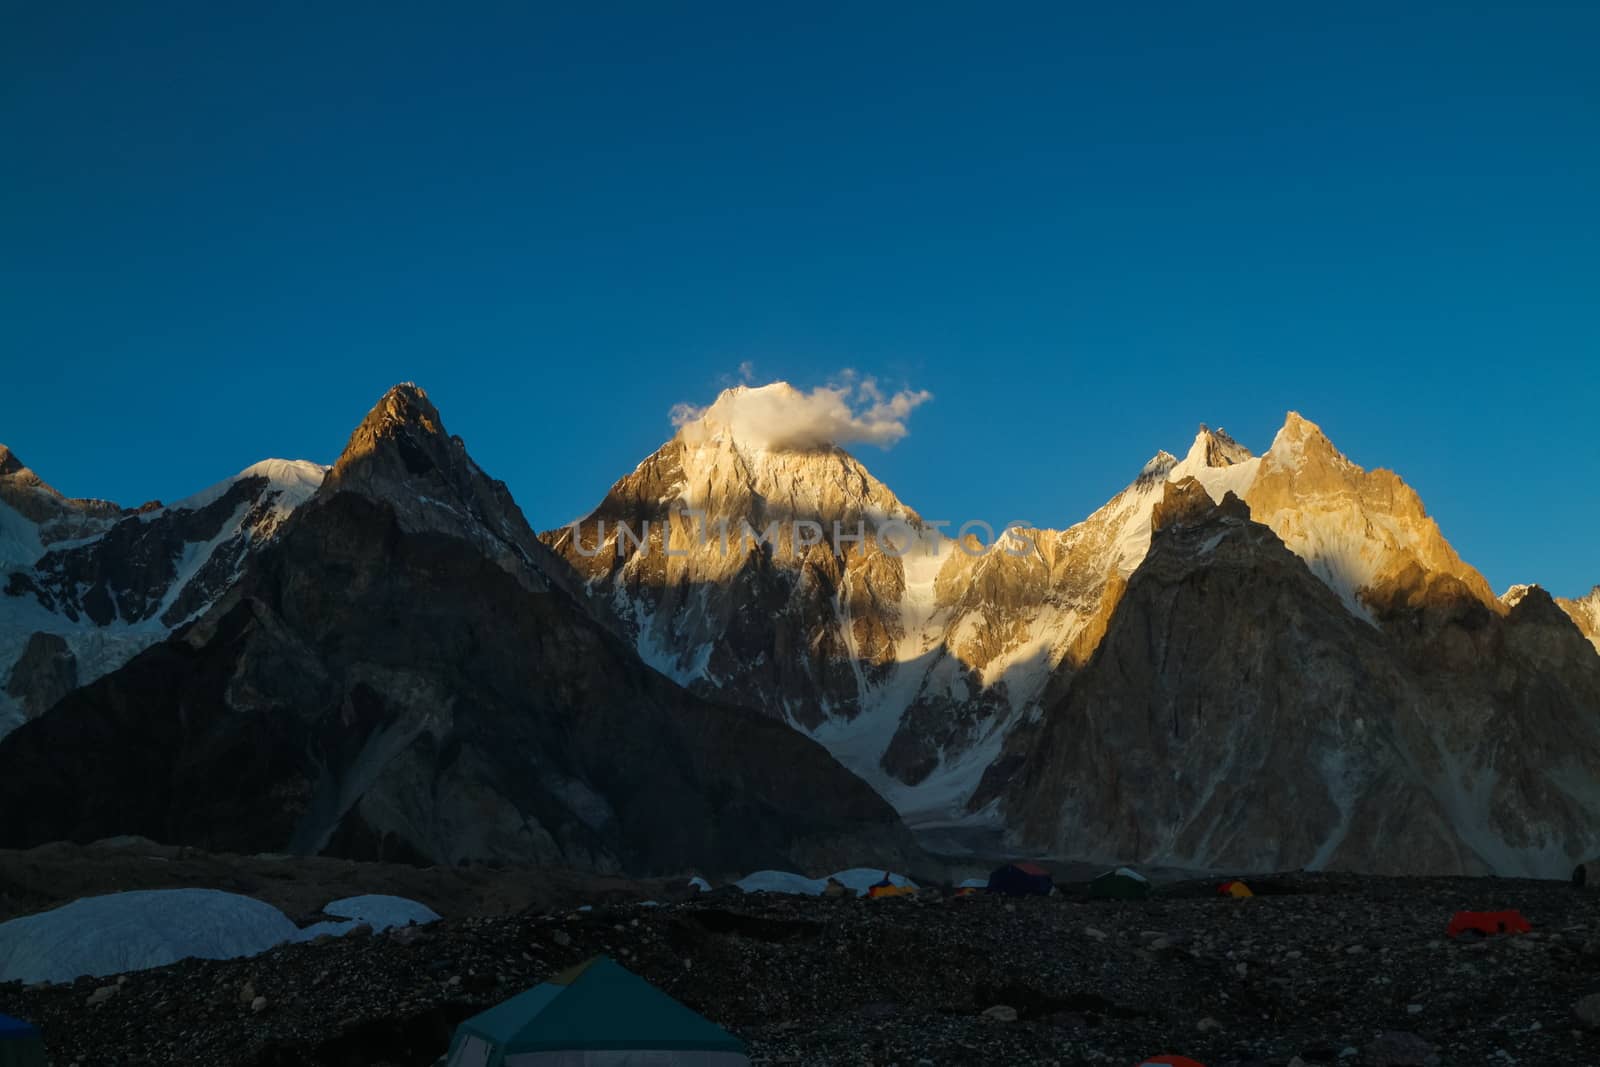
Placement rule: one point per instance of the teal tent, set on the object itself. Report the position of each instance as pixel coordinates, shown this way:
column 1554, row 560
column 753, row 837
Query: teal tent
column 20, row 1044
column 1124, row 883
column 596, row 1014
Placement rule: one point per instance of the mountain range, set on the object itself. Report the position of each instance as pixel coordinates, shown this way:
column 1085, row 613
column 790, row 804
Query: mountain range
column 756, row 654
column 397, row 671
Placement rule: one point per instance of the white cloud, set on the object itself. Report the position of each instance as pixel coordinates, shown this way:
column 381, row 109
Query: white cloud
column 779, row 416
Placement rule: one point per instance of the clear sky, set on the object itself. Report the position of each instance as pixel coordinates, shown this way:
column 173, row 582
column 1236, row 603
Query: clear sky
column 225, row 229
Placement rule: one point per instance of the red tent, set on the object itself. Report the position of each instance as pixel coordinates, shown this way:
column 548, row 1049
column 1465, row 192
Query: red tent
column 1020, row 879
column 1169, row 1060
column 1488, row 923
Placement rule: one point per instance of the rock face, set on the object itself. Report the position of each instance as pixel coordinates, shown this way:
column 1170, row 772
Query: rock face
column 1238, row 715
column 935, row 674
column 704, row 555
column 84, row 585
column 37, row 515
column 401, row 455
column 1585, row 611
column 399, row 675
column 910, row 653
column 1364, row 533
column 44, row 673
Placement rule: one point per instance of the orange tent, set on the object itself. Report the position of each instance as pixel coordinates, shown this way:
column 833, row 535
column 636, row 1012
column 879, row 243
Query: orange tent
column 879, row 891
column 1234, row 889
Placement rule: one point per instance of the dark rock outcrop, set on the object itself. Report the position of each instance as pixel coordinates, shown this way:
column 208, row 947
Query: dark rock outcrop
column 1236, row 715
column 44, row 673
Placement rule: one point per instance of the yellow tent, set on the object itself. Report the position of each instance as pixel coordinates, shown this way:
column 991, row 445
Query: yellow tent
column 880, row 891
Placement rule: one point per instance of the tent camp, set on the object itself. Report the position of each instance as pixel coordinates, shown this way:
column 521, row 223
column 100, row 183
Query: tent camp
column 20, row 1044
column 1124, row 883
column 1020, row 880
column 596, row 1014
column 858, row 880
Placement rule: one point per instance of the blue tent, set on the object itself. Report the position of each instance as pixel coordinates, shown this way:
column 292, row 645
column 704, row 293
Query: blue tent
column 20, row 1044
column 596, row 1014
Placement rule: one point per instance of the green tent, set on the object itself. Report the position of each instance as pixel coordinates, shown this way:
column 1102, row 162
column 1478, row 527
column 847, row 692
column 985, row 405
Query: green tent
column 20, row 1044
column 596, row 1014
column 1124, row 883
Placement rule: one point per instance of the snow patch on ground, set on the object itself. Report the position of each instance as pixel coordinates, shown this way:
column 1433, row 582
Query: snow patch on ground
column 132, row 931
column 121, row 932
column 377, row 910
column 782, row 882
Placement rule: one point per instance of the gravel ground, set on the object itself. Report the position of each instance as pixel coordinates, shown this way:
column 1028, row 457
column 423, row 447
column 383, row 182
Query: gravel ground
column 1321, row 969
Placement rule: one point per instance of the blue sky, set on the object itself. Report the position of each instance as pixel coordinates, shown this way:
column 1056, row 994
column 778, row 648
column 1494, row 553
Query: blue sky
column 225, row 231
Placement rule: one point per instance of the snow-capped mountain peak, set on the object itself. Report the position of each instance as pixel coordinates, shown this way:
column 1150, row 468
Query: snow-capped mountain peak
column 293, row 481
column 779, row 417
column 1288, row 448
column 1214, row 448
column 736, row 416
column 85, row 585
column 1160, row 463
